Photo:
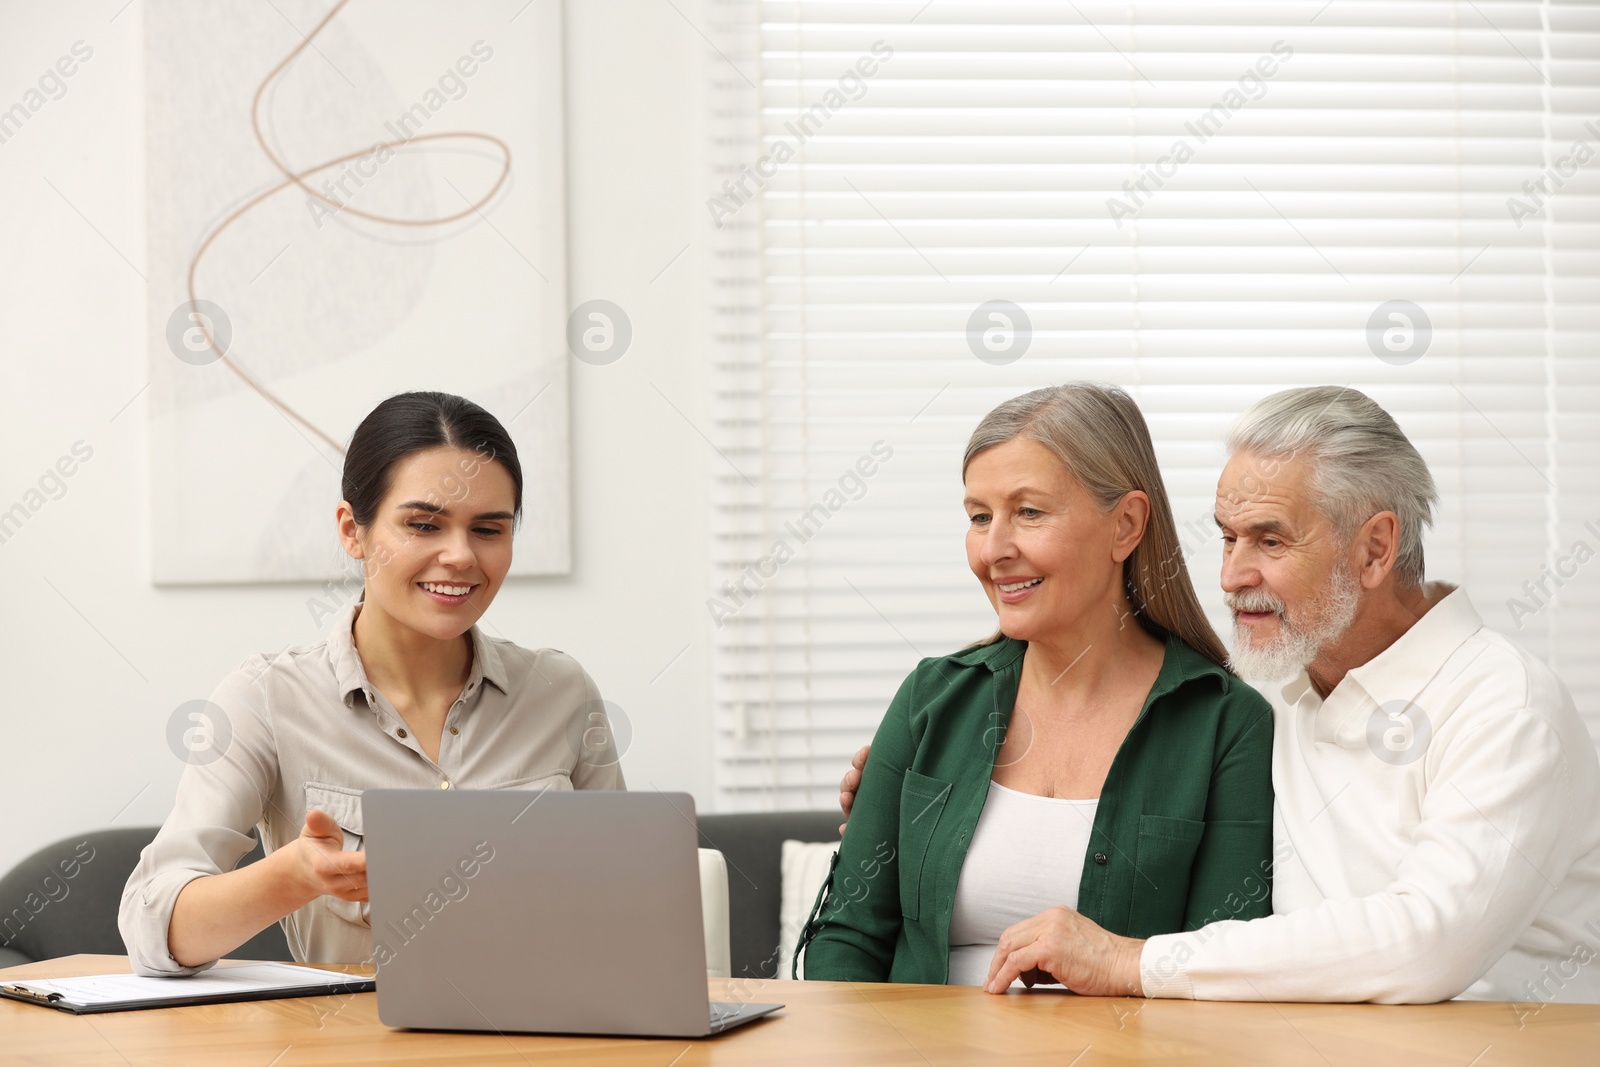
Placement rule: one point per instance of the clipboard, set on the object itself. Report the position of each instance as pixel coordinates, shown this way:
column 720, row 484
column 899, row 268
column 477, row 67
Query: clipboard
column 224, row 984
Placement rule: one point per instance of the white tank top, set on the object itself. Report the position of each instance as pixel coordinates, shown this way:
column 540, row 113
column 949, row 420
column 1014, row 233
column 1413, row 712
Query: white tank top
column 1026, row 855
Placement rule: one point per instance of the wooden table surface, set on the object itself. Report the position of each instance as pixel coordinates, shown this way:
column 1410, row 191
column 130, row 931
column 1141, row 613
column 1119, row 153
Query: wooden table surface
column 824, row 1023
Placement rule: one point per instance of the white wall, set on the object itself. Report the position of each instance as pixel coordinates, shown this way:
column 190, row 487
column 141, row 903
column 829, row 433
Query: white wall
column 94, row 659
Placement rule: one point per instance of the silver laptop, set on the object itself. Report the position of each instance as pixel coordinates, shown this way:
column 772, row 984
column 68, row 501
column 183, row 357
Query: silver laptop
column 553, row 912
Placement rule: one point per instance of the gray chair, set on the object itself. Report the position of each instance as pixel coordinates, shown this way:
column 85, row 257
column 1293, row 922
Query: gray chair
column 752, row 844
column 44, row 914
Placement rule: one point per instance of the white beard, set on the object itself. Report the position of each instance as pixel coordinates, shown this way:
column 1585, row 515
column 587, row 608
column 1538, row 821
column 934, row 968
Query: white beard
column 1295, row 647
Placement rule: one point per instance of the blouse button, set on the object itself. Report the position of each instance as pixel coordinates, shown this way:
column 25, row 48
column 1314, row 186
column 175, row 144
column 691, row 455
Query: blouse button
column 454, row 730
column 1100, row 858
column 400, row 732
column 444, row 785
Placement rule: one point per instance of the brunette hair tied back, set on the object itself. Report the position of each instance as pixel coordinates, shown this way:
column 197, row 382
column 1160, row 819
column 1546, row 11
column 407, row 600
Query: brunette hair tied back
column 414, row 422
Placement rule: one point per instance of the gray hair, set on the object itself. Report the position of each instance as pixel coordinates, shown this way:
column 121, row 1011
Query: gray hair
column 1361, row 462
column 1100, row 437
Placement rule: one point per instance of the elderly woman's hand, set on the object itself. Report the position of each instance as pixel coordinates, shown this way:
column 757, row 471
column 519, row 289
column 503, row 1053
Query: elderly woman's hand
column 1069, row 949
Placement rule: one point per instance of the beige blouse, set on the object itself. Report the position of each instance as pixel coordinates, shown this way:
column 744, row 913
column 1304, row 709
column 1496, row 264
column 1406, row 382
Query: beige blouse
column 305, row 729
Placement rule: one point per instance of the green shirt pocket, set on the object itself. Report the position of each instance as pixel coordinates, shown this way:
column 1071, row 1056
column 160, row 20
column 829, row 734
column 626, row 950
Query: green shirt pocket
column 1162, row 862
column 922, row 801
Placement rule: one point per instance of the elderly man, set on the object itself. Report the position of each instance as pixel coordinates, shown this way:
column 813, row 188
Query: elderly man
column 1437, row 827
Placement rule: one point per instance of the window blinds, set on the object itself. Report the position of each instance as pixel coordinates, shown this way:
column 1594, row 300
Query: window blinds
column 922, row 209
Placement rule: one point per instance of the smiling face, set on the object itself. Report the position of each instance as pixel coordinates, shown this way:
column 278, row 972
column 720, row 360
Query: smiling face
column 1043, row 550
column 1285, row 568
column 439, row 546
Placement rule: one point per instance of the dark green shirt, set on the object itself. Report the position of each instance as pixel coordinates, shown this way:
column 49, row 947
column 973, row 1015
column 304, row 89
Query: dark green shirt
column 1182, row 835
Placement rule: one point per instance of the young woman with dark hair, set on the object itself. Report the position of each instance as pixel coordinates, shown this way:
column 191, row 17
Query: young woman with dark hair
column 405, row 692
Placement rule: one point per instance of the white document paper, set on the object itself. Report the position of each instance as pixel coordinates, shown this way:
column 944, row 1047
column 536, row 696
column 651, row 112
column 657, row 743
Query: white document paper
column 238, row 978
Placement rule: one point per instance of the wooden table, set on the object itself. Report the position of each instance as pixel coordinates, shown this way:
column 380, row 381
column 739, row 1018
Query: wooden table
column 824, row 1023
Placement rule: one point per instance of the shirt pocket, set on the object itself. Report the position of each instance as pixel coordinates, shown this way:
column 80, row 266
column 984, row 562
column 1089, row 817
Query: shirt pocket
column 343, row 805
column 1162, row 861
column 922, row 801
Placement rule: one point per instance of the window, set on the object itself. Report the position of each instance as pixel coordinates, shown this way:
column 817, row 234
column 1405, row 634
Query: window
column 925, row 208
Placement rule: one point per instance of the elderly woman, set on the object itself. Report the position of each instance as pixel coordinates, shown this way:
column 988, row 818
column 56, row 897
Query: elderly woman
column 1094, row 754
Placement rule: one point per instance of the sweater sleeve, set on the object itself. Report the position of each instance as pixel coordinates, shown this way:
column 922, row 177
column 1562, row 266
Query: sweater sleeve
column 1232, row 873
column 856, row 921
column 1496, row 834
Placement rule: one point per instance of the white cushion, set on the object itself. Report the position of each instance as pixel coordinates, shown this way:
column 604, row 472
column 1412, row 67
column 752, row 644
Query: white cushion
column 714, row 912
column 805, row 868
